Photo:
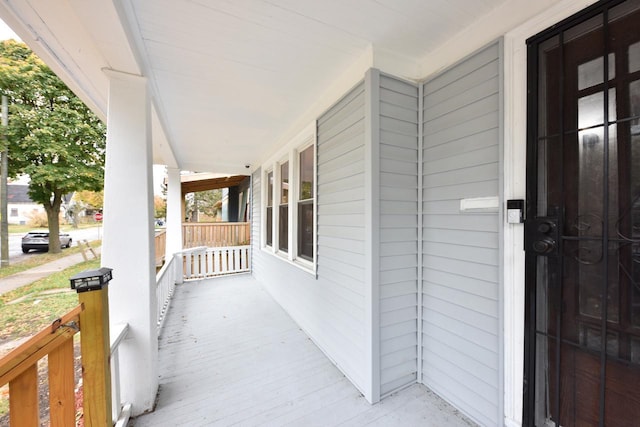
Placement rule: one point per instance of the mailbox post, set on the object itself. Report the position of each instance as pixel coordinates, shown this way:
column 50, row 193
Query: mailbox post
column 91, row 286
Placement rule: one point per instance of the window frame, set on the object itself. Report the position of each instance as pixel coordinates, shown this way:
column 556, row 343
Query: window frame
column 291, row 154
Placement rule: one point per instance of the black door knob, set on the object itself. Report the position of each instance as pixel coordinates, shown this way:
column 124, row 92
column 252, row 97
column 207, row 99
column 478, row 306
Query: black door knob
column 544, row 245
column 546, row 227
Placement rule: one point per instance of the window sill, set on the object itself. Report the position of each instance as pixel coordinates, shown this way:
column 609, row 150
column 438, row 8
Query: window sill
column 302, row 264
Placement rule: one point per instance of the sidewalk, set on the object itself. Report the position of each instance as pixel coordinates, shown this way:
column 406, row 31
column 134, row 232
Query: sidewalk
column 26, row 277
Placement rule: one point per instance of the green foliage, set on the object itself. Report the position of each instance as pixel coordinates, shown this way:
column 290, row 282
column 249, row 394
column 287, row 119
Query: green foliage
column 52, row 136
column 159, row 207
column 203, row 202
column 87, row 199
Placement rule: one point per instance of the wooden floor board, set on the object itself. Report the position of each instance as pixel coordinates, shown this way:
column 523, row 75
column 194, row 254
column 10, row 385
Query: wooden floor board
column 230, row 356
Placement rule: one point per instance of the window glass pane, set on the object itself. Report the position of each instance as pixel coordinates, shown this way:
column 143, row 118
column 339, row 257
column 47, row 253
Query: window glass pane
column 284, row 179
column 305, row 230
column 270, row 189
column 283, row 228
column 269, row 225
column 306, row 174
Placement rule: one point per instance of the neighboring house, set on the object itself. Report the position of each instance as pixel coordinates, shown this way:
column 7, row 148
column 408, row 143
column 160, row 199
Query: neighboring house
column 394, row 148
column 20, row 207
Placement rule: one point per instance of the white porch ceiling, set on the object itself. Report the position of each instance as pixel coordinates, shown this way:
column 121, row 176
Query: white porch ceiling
column 231, row 79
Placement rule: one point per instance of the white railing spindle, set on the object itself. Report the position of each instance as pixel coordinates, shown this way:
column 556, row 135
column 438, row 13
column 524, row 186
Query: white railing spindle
column 120, row 411
column 202, row 262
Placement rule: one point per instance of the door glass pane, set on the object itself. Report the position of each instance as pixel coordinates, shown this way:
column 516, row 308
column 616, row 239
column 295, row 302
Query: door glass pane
column 634, row 57
column 589, row 224
column 592, row 73
column 591, row 111
column 549, row 96
column 635, row 351
column 634, row 201
column 634, row 106
column 591, row 338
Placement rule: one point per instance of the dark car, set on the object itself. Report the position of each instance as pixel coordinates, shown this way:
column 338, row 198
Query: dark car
column 39, row 240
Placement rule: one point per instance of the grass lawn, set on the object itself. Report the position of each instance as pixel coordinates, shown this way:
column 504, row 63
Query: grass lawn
column 43, row 258
column 26, row 310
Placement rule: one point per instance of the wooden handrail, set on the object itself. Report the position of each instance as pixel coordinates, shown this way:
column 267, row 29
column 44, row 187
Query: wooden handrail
column 214, row 234
column 15, row 362
column 160, row 246
column 19, row 368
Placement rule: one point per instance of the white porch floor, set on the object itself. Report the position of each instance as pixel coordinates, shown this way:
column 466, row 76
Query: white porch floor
column 229, row 355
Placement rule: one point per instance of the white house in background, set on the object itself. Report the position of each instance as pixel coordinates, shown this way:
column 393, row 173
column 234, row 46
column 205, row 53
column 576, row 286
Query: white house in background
column 394, row 147
column 20, row 207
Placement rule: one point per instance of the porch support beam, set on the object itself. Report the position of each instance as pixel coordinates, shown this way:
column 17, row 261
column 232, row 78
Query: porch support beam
column 128, row 243
column 174, row 213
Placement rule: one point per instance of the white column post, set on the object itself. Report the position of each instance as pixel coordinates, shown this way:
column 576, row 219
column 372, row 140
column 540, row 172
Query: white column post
column 128, row 242
column 174, row 212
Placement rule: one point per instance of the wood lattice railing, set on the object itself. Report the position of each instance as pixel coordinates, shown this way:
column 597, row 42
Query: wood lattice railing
column 19, row 368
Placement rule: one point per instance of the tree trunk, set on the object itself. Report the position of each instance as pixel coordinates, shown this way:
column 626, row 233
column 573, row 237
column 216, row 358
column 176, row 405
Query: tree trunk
column 53, row 216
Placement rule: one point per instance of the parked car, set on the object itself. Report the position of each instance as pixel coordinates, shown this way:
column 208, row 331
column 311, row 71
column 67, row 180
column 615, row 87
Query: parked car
column 39, row 240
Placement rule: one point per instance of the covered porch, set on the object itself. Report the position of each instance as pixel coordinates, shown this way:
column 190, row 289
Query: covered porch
column 230, row 355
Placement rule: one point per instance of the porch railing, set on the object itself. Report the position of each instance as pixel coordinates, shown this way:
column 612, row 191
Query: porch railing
column 217, row 234
column 166, row 279
column 161, row 246
column 19, row 368
column 120, row 411
column 204, row 262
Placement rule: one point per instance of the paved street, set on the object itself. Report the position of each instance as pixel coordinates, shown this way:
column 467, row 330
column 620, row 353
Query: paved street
column 15, row 249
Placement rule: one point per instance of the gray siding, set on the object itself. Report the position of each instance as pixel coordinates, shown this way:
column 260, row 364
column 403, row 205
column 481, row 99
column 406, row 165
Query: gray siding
column 398, row 262
column 460, row 249
column 331, row 307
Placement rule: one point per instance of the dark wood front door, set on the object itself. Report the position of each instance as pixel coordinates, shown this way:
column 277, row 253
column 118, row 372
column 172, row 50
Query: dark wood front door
column 582, row 231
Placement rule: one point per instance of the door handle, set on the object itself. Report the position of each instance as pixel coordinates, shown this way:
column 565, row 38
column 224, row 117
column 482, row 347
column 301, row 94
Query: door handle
column 544, row 245
column 542, row 235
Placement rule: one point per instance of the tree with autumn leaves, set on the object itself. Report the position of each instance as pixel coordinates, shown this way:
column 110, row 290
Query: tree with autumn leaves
column 52, row 136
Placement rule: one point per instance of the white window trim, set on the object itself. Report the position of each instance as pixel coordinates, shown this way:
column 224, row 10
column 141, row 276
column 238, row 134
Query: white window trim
column 294, row 212
column 276, row 205
column 264, row 191
column 291, row 153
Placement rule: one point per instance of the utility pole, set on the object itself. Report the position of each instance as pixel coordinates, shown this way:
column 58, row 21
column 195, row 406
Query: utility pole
column 4, row 169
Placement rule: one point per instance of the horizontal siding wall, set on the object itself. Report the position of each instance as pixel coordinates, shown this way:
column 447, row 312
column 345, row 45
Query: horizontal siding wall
column 398, row 233
column 460, row 249
column 330, row 308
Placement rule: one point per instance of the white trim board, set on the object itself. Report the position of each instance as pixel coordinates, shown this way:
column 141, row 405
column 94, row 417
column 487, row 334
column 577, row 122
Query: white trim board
column 515, row 119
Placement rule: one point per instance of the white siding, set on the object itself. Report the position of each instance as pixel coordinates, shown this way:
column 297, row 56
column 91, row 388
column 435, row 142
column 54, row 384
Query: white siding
column 331, row 307
column 460, row 249
column 398, row 261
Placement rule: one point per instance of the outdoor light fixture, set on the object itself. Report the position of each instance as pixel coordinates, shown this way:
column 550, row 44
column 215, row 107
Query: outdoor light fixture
column 91, row 280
